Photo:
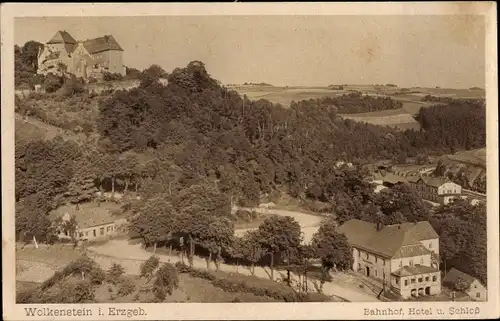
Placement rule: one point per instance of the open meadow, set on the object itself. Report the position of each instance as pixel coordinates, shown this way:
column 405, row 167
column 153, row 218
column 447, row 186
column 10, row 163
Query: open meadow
column 402, row 118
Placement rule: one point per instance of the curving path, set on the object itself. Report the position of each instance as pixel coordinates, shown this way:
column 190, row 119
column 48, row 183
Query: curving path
column 132, row 255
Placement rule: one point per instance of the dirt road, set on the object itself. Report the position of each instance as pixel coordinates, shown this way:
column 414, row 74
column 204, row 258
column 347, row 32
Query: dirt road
column 132, row 255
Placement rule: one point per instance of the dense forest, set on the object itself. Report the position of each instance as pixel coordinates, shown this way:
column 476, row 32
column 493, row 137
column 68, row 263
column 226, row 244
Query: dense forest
column 356, row 102
column 193, row 138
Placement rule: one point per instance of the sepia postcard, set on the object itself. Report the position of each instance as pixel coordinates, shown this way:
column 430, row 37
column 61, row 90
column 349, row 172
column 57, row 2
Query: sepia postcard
column 257, row 161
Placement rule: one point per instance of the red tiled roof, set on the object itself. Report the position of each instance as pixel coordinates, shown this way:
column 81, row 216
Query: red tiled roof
column 390, row 240
column 416, row 269
column 101, row 44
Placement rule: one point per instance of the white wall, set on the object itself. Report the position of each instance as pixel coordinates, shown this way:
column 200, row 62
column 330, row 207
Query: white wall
column 397, row 264
column 449, row 188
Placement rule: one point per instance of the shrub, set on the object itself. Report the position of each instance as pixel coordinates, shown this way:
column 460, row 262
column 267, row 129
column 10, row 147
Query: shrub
column 115, row 272
column 149, row 266
column 52, row 83
column 108, row 76
column 167, row 279
column 125, row 286
column 72, row 86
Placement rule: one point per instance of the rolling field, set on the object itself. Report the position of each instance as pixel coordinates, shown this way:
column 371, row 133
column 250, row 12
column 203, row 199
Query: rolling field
column 399, row 118
column 474, row 157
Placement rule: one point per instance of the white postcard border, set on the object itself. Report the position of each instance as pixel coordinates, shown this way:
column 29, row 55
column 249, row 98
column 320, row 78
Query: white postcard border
column 261, row 311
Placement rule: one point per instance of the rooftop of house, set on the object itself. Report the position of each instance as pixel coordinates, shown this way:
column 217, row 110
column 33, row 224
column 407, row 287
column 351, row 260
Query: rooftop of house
column 63, row 37
column 101, row 44
column 86, row 216
column 430, row 181
column 105, row 43
column 453, row 275
column 416, row 269
column 391, row 241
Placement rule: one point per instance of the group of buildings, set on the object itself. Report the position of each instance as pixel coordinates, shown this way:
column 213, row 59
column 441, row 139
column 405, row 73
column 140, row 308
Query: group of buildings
column 436, row 190
column 87, row 58
column 404, row 258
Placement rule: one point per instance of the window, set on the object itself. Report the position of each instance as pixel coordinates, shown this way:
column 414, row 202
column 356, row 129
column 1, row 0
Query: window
column 434, row 278
column 94, row 233
column 400, row 263
column 420, row 280
column 81, row 234
column 383, row 262
column 412, row 281
column 478, row 295
column 396, row 280
column 406, row 282
column 430, row 245
column 422, row 261
column 375, row 272
column 359, row 265
column 359, row 253
column 411, row 262
column 101, row 231
column 375, row 259
column 426, row 278
column 367, row 256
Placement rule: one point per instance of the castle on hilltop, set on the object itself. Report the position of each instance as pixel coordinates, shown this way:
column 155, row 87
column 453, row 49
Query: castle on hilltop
column 88, row 58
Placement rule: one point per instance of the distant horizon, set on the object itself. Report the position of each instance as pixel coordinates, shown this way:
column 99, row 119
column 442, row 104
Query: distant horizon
column 310, row 51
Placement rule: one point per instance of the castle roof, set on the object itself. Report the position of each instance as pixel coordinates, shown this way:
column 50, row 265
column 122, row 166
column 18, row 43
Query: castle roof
column 391, row 241
column 101, row 44
column 63, row 37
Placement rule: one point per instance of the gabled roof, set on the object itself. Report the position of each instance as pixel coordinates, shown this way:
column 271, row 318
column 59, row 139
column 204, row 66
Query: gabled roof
column 430, row 181
column 101, row 44
column 65, row 38
column 453, row 275
column 62, row 37
column 85, row 217
column 416, row 269
column 389, row 240
column 94, row 217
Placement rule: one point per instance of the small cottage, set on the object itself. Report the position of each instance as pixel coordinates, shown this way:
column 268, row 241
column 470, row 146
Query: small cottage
column 91, row 223
column 456, row 279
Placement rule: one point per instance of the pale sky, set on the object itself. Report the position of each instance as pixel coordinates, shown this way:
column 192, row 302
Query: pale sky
column 427, row 51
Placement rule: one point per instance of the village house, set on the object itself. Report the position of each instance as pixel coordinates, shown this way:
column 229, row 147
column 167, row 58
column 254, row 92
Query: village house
column 91, row 223
column 436, row 189
column 474, row 288
column 403, row 257
column 88, row 58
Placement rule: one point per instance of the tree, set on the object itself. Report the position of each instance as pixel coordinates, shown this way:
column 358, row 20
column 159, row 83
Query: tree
column 217, row 237
column 167, row 279
column 401, row 198
column 279, row 234
column 32, row 220
column 333, row 249
column 156, row 221
column 250, row 248
column 115, row 272
column 461, row 285
column 149, row 266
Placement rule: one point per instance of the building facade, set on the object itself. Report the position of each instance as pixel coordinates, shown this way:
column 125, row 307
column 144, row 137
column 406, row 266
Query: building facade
column 92, row 224
column 89, row 58
column 403, row 257
column 437, row 190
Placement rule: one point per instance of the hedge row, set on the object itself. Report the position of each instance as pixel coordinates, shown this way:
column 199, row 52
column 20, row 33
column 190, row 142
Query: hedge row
column 230, row 282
